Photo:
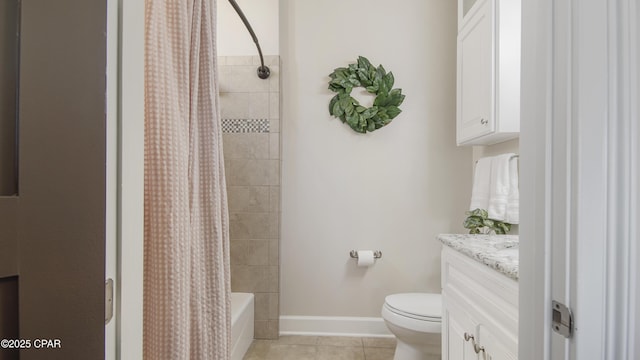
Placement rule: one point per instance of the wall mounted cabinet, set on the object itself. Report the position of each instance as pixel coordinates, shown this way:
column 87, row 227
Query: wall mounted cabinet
column 488, row 73
column 480, row 310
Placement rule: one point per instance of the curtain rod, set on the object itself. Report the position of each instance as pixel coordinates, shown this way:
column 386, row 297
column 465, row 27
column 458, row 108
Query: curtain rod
column 263, row 71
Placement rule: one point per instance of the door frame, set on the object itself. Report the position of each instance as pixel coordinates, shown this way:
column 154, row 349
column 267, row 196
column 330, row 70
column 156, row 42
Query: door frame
column 111, row 201
column 580, row 178
column 130, row 181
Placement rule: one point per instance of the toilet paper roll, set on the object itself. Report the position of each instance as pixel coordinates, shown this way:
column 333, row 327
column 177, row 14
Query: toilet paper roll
column 365, row 258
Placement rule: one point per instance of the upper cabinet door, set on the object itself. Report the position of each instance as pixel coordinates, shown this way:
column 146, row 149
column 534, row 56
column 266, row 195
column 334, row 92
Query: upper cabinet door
column 464, row 10
column 475, row 72
column 488, row 92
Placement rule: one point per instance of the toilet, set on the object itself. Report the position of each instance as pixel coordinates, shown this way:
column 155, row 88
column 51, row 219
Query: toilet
column 416, row 321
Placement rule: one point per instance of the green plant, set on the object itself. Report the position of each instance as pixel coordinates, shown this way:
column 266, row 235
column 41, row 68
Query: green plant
column 376, row 81
column 478, row 222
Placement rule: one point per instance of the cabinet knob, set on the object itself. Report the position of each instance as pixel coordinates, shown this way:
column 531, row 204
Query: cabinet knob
column 484, row 121
column 477, row 348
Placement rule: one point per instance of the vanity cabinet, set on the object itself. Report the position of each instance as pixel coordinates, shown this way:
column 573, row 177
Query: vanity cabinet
column 488, row 71
column 480, row 310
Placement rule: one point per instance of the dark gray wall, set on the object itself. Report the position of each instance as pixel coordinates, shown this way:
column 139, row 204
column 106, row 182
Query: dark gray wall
column 61, row 209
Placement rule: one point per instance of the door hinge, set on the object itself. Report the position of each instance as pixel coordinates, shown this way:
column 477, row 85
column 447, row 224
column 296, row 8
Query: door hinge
column 108, row 301
column 561, row 319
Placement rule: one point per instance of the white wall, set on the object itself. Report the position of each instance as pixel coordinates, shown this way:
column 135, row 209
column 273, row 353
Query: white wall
column 391, row 190
column 233, row 37
column 511, row 146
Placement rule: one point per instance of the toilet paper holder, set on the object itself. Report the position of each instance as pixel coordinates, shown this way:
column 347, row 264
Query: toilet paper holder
column 376, row 254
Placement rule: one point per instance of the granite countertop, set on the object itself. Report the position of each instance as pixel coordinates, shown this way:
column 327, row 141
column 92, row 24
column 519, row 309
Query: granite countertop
column 499, row 252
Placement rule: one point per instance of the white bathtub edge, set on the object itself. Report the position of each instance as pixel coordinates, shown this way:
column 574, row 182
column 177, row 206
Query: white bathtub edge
column 242, row 328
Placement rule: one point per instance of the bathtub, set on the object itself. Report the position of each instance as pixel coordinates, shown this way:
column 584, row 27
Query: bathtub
column 241, row 324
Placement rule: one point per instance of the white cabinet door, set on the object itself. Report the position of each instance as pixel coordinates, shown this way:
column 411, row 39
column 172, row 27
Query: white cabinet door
column 464, row 11
column 475, row 71
column 494, row 346
column 479, row 302
column 488, row 91
column 457, row 323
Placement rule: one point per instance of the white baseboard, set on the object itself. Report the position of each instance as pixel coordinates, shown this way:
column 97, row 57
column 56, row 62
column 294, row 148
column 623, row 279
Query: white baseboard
column 333, row 326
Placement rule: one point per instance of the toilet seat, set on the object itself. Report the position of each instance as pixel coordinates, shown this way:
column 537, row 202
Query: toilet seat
column 419, row 306
column 419, row 312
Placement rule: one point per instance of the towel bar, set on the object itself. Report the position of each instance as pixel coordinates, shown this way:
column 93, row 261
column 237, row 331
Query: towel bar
column 512, row 157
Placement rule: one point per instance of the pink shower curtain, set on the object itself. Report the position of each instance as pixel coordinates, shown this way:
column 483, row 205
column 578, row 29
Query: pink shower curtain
column 186, row 267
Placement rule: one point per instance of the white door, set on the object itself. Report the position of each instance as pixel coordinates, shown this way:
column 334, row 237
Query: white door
column 579, row 168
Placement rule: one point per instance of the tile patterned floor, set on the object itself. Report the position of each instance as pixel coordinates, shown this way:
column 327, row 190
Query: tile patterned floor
column 322, row 348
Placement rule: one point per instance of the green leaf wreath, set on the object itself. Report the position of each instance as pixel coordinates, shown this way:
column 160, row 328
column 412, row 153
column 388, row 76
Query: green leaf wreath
column 376, row 81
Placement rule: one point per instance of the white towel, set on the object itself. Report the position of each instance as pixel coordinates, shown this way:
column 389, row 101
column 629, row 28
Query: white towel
column 481, row 185
column 495, row 188
column 499, row 188
column 513, row 200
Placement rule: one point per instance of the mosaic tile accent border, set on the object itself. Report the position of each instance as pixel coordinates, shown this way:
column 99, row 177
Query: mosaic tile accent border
column 245, row 125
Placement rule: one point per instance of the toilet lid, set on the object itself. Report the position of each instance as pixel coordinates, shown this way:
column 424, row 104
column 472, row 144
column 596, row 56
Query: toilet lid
column 416, row 305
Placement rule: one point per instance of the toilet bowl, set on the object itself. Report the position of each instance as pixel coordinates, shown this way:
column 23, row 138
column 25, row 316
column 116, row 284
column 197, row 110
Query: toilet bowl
column 416, row 321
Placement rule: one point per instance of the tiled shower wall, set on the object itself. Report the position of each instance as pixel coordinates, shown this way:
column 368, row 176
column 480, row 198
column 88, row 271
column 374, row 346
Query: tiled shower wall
column 251, row 125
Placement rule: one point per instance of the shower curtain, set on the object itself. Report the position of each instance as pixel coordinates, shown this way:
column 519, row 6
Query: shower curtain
column 186, row 268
